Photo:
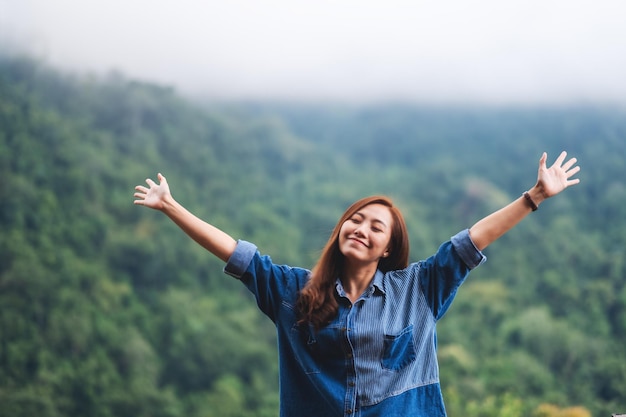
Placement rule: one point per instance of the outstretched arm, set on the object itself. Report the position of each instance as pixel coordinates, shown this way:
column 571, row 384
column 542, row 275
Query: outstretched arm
column 550, row 182
column 159, row 197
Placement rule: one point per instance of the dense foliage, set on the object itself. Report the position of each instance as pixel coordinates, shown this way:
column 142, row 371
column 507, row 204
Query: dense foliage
column 108, row 310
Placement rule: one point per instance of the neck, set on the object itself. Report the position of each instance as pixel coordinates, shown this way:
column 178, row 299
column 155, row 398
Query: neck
column 355, row 280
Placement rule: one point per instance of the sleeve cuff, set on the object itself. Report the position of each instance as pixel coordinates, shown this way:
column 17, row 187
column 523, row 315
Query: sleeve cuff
column 466, row 249
column 240, row 259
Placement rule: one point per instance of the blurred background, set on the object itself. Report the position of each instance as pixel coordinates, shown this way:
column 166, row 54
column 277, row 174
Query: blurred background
column 269, row 118
column 484, row 51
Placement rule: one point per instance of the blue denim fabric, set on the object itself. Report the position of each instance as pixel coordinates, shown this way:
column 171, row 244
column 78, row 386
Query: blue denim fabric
column 378, row 356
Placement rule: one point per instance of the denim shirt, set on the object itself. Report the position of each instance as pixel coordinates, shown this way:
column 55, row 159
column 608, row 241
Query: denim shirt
column 378, row 356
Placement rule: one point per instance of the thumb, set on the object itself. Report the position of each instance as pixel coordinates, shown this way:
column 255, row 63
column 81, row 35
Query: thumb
column 542, row 160
column 161, row 178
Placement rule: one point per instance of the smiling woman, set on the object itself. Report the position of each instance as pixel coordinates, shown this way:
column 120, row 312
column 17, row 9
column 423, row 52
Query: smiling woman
column 370, row 235
column 364, row 241
column 357, row 334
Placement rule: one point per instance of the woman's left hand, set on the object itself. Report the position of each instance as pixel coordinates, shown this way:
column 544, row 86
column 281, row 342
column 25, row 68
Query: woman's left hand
column 556, row 178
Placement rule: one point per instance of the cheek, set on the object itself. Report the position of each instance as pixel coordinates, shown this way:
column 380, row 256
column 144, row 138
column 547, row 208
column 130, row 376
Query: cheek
column 345, row 229
column 342, row 239
column 383, row 242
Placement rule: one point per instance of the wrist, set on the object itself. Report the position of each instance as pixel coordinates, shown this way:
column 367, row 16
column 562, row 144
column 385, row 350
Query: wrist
column 168, row 203
column 534, row 197
column 537, row 194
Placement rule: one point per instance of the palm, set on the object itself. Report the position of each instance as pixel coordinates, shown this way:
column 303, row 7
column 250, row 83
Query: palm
column 154, row 195
column 552, row 180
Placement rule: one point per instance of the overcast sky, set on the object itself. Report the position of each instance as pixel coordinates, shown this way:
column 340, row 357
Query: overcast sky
column 494, row 51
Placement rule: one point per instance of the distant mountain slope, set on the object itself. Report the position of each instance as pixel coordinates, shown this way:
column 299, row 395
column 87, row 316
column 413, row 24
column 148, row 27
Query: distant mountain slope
column 108, row 309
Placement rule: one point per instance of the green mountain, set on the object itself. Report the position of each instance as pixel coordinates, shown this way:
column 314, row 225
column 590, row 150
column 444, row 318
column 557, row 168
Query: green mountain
column 106, row 309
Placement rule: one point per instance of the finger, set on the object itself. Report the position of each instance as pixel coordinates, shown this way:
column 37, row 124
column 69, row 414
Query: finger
column 139, row 202
column 161, row 178
column 139, row 195
column 572, row 182
column 569, row 164
column 560, row 159
column 573, row 171
column 141, row 188
column 542, row 160
column 150, row 183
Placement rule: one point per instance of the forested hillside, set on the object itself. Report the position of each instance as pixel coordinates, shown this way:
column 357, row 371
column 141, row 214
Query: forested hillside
column 106, row 309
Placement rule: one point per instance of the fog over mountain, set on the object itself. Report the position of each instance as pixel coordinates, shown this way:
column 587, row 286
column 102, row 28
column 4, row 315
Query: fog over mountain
column 484, row 51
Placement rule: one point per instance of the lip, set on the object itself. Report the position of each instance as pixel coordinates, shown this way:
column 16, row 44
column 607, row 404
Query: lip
column 354, row 239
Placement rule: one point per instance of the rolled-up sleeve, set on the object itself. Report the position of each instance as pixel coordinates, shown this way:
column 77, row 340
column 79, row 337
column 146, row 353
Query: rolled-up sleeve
column 466, row 249
column 240, row 259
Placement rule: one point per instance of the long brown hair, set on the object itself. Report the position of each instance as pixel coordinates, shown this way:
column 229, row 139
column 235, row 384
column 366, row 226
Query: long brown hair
column 317, row 304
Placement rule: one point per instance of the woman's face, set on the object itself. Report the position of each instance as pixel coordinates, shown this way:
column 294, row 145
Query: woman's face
column 364, row 237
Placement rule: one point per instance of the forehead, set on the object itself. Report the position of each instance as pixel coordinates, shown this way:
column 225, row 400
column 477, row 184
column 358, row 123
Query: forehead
column 376, row 212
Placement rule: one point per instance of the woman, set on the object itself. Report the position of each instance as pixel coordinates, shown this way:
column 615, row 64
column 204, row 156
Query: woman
column 356, row 335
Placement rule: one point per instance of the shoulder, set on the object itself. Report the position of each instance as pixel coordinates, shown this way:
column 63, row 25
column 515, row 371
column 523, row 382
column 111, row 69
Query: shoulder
column 262, row 273
column 399, row 280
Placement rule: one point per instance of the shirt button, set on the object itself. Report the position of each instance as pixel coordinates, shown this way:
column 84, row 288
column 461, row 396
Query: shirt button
column 348, row 411
column 351, row 384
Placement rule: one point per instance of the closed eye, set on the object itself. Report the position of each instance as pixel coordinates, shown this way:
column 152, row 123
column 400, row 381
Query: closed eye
column 357, row 218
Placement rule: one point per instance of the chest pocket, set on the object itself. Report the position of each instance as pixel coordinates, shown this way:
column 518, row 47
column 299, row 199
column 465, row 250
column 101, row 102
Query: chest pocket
column 398, row 350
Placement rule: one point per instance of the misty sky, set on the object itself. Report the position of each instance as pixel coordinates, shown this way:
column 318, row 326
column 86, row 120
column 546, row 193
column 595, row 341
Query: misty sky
column 493, row 51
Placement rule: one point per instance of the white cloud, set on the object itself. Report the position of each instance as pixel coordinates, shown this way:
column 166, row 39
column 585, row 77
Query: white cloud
column 486, row 50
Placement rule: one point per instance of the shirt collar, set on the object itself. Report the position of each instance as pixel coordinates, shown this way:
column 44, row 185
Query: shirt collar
column 375, row 285
column 377, row 282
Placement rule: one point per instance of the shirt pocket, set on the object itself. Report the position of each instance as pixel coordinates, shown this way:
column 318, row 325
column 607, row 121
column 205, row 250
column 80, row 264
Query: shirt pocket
column 398, row 350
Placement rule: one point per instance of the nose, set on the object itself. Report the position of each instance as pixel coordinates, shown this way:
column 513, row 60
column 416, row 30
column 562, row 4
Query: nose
column 359, row 230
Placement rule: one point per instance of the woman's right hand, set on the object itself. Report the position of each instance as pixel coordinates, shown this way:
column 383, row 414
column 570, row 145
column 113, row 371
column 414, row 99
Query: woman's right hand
column 154, row 196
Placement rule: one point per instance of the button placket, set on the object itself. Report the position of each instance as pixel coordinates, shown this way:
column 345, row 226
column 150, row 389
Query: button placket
column 351, row 391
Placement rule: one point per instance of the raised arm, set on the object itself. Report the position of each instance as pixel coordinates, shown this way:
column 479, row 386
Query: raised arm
column 550, row 182
column 159, row 197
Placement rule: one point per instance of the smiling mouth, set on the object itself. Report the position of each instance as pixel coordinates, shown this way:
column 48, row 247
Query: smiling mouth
column 358, row 241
